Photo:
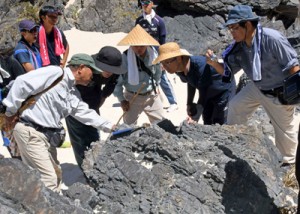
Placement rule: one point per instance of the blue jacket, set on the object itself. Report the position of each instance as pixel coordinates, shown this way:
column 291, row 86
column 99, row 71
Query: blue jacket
column 157, row 29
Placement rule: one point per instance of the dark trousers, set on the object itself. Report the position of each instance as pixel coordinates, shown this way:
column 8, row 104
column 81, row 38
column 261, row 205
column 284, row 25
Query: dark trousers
column 215, row 109
column 81, row 137
column 298, row 169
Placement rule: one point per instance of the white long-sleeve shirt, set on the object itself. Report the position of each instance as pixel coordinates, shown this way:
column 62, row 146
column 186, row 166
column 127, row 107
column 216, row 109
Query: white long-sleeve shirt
column 51, row 106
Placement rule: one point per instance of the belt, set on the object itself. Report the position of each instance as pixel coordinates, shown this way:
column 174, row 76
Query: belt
column 142, row 94
column 273, row 92
column 37, row 127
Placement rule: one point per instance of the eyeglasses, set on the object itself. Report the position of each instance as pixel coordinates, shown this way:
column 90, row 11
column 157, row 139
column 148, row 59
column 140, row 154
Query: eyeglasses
column 167, row 63
column 234, row 29
column 145, row 2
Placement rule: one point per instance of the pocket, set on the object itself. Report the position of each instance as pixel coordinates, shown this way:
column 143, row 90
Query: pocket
column 56, row 137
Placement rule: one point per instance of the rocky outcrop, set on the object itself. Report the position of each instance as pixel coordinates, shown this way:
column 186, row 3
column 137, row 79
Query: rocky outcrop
column 164, row 169
column 22, row 191
column 200, row 169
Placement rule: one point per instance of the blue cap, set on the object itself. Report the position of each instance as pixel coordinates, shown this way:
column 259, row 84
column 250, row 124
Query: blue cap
column 27, row 24
column 240, row 13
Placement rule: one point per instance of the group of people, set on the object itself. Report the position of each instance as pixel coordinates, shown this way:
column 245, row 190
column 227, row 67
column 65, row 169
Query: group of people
column 264, row 54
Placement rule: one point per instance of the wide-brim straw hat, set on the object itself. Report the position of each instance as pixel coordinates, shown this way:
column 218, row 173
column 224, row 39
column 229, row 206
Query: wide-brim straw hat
column 170, row 50
column 138, row 37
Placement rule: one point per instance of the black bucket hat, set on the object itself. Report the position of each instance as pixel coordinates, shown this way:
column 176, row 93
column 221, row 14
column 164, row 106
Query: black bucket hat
column 109, row 59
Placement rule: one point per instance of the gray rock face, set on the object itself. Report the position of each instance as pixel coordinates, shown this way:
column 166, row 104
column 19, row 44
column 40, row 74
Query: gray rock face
column 202, row 169
column 22, row 191
column 163, row 169
column 104, row 16
column 195, row 25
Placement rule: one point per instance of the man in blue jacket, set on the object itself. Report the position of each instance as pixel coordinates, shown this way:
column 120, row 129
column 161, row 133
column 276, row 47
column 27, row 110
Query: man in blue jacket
column 267, row 58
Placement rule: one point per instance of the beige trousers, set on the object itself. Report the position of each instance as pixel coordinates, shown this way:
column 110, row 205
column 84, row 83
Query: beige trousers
column 150, row 104
column 282, row 117
column 37, row 153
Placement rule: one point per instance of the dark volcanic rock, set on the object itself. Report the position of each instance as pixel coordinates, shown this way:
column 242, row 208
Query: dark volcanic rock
column 22, row 191
column 202, row 169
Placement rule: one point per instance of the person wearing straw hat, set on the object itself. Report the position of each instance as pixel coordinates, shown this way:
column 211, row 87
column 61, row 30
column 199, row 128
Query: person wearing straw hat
column 194, row 70
column 109, row 60
column 141, row 79
column 267, row 58
column 37, row 125
column 155, row 26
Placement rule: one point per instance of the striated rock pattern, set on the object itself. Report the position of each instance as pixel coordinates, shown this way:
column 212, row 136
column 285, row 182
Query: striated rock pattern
column 22, row 191
column 197, row 169
column 164, row 169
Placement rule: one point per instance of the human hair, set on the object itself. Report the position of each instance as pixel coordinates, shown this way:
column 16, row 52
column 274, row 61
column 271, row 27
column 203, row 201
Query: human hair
column 48, row 9
column 243, row 24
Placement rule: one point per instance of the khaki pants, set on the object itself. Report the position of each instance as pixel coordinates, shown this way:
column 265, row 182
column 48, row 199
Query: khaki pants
column 150, row 104
column 282, row 117
column 36, row 152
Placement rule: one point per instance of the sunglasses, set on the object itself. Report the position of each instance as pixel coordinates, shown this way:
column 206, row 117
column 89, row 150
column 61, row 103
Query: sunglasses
column 145, row 2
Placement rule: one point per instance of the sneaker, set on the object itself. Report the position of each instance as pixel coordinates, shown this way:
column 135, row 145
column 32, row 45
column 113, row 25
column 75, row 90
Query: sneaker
column 173, row 107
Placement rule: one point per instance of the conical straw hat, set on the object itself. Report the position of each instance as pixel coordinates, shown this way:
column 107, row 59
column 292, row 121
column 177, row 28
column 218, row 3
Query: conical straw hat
column 168, row 51
column 138, row 37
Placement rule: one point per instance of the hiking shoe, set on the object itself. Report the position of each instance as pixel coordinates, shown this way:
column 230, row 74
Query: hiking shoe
column 66, row 144
column 173, row 107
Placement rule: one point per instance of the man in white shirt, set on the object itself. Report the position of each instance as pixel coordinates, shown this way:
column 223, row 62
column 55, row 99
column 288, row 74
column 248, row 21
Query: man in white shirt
column 37, row 121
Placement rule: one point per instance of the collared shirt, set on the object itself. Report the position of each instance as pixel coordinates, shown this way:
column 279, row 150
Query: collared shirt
column 143, row 77
column 277, row 58
column 26, row 53
column 205, row 78
column 156, row 29
column 51, row 106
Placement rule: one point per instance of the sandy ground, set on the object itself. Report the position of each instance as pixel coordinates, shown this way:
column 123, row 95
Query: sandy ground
column 91, row 43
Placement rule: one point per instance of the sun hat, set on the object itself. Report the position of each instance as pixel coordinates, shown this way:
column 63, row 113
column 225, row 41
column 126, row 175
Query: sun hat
column 27, row 24
column 109, row 59
column 138, row 37
column 85, row 59
column 240, row 13
column 170, row 50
